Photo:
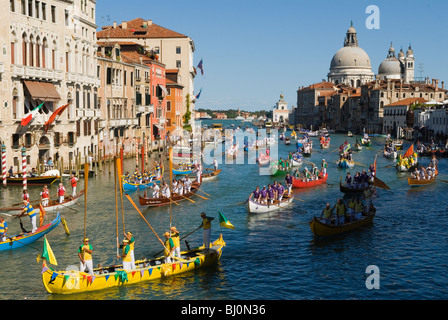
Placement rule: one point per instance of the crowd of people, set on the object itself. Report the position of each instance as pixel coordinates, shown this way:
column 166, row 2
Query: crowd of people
column 311, row 175
column 360, row 180
column 427, row 173
column 146, row 176
column 342, row 213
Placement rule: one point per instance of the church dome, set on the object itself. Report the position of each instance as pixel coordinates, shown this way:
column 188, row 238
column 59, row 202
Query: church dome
column 350, row 57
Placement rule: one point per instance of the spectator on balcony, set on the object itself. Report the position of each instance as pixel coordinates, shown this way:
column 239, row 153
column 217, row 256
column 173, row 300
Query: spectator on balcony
column 50, row 164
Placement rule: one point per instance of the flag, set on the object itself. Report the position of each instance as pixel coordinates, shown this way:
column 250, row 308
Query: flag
column 200, row 67
column 223, row 222
column 30, row 115
column 195, row 71
column 409, row 152
column 55, row 114
column 42, row 215
column 47, row 253
column 197, row 96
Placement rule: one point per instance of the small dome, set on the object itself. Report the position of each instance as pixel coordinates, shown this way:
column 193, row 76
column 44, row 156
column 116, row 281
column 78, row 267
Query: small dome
column 401, row 54
column 410, row 52
column 390, row 67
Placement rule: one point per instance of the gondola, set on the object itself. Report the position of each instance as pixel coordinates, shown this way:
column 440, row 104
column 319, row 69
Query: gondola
column 24, row 239
column 297, row 183
column 157, row 202
column 178, row 172
column 365, row 142
column 321, row 229
column 38, row 180
column 70, row 282
column 52, row 205
column 255, row 207
column 130, row 186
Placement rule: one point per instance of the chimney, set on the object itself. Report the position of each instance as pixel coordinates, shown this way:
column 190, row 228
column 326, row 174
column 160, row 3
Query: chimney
column 437, row 84
column 141, row 60
column 124, row 25
column 115, row 24
column 443, row 85
column 149, row 23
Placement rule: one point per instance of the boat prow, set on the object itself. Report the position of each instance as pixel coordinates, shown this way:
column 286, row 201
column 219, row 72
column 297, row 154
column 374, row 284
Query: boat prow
column 321, row 229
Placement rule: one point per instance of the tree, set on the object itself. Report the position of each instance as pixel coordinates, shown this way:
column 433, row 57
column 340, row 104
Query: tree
column 187, row 115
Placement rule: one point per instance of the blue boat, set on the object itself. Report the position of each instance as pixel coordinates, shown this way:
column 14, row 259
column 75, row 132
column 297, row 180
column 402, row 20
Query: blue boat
column 344, row 163
column 129, row 186
column 25, row 239
column 182, row 172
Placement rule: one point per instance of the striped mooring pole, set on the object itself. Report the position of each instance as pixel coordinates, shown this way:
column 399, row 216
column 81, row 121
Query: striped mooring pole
column 4, row 164
column 24, row 167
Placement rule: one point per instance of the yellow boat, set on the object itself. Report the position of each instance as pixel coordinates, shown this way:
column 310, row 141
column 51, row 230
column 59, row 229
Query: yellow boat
column 321, row 229
column 70, row 282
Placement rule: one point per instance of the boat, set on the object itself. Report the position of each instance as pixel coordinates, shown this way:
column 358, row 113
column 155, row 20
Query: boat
column 365, row 141
column 344, row 163
column 397, row 144
column 352, row 191
column 38, row 180
column 130, row 186
column 356, row 147
column 287, row 141
column 321, row 229
column 263, row 159
column 255, row 207
column 24, row 239
column 179, row 172
column 390, row 154
column 210, row 175
column 53, row 205
column 307, row 147
column 297, row 183
column 274, row 170
column 349, row 134
column 414, row 182
column 157, row 202
column 70, row 282
column 296, row 160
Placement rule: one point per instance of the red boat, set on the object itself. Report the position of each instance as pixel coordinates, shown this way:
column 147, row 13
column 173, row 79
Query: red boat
column 297, row 183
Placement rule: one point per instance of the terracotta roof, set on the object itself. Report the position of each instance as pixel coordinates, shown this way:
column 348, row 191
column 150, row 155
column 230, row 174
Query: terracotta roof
column 135, row 29
column 407, row 102
column 320, row 85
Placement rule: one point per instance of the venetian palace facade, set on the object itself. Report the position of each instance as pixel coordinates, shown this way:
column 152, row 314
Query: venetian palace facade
column 117, row 89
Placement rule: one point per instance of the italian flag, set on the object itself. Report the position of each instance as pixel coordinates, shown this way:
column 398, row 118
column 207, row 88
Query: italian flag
column 223, row 222
column 29, row 116
column 47, row 253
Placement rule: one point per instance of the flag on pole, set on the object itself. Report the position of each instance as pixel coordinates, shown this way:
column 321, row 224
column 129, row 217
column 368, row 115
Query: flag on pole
column 197, row 96
column 223, row 222
column 47, row 253
column 200, row 67
column 30, row 115
column 55, row 114
column 409, row 152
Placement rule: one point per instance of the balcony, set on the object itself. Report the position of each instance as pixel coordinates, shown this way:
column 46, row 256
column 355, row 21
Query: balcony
column 144, row 109
column 28, row 72
column 83, row 79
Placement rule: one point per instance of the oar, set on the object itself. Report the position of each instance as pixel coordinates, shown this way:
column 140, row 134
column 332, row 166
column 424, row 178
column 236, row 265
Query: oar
column 186, row 198
column 200, row 196
column 442, row 180
column 359, row 164
column 136, row 208
column 204, row 192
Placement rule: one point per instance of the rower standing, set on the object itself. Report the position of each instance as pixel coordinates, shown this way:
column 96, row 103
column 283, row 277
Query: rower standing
column 175, row 236
column 340, row 212
column 3, row 229
column 255, row 194
column 73, row 182
column 45, row 196
column 31, row 212
column 169, row 247
column 25, row 195
column 61, row 193
column 206, row 225
column 131, row 243
column 85, row 255
column 326, row 214
column 126, row 255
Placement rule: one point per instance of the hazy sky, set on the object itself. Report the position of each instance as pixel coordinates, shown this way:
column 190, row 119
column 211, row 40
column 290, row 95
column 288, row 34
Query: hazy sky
column 254, row 50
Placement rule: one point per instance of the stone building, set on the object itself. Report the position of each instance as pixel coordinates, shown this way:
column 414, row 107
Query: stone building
column 48, row 56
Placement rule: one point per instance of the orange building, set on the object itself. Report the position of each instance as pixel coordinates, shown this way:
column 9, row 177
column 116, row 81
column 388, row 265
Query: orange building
column 174, row 101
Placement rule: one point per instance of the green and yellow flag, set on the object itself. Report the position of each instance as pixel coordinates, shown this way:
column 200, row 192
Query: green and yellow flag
column 223, row 222
column 47, row 253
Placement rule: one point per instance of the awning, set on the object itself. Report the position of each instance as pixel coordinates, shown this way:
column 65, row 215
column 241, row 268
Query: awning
column 163, row 89
column 42, row 91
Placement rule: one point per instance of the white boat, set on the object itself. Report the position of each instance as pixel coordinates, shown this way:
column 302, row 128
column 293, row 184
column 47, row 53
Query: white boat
column 390, row 155
column 255, row 207
column 296, row 162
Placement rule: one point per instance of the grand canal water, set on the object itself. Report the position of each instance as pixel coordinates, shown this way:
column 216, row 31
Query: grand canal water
column 269, row 256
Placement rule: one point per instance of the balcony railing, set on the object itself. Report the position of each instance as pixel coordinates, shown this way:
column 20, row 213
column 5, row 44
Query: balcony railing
column 36, row 72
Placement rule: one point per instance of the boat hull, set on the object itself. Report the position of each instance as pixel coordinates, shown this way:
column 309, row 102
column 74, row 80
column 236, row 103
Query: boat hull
column 66, row 282
column 26, row 239
column 296, row 183
column 347, row 190
column 344, row 164
column 182, row 172
column 32, row 180
column 210, row 176
column 128, row 186
column 157, row 202
column 254, row 207
column 320, row 229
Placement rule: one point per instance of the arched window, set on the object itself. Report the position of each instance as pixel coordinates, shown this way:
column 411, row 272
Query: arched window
column 24, row 49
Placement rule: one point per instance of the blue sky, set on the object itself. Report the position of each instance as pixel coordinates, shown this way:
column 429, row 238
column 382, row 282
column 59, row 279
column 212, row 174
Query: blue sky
column 254, row 50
